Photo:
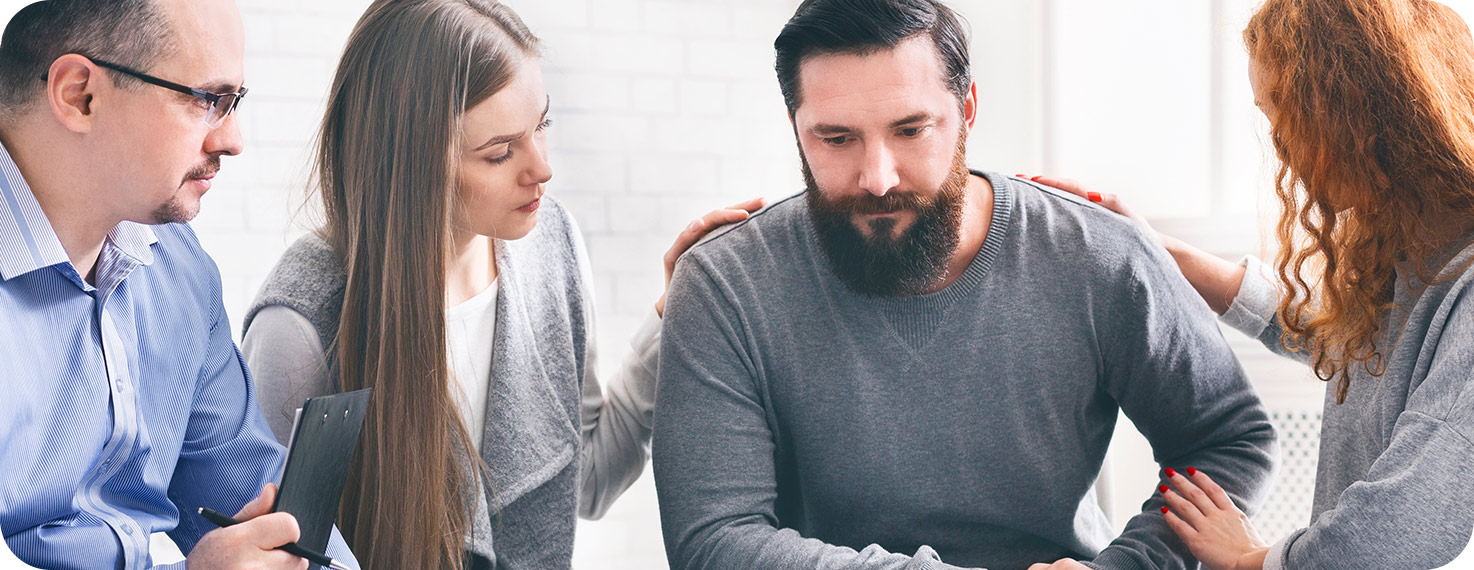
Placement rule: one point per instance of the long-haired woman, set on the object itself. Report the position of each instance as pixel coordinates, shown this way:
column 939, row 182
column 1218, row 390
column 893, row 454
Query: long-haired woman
column 448, row 282
column 1371, row 107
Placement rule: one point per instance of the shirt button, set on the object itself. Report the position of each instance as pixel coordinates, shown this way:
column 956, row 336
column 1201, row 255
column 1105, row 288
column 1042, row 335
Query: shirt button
column 128, row 529
column 119, row 384
column 107, row 464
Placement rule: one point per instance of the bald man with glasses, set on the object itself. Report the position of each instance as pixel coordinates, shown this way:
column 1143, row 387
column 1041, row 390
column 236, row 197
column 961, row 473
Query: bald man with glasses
column 126, row 404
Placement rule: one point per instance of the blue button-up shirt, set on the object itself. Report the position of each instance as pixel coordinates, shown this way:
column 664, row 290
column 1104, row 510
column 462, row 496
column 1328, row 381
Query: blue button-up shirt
column 125, row 406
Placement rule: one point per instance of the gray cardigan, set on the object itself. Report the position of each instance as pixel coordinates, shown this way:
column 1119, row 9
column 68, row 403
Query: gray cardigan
column 546, row 415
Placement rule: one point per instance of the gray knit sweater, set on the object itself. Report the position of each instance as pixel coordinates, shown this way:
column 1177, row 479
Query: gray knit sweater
column 800, row 425
column 555, row 445
column 1392, row 488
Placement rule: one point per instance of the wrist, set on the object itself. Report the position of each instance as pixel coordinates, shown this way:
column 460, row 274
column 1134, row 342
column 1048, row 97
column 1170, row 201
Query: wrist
column 1252, row 560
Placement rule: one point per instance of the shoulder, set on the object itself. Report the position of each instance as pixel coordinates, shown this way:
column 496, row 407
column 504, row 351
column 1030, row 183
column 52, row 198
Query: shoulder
column 1085, row 234
column 308, row 279
column 1447, row 313
column 782, row 226
column 308, row 267
column 180, row 260
column 1047, row 212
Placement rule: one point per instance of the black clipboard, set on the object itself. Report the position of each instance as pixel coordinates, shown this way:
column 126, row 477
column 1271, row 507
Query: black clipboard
column 324, row 436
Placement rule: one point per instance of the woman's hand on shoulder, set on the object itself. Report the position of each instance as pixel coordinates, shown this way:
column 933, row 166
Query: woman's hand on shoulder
column 1110, row 202
column 698, row 229
column 1216, row 280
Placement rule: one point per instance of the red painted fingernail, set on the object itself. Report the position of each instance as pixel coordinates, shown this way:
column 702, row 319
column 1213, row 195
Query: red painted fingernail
column 1191, row 472
column 1164, row 510
column 1024, row 176
column 1161, row 489
column 1035, row 178
column 1093, row 196
column 1170, row 472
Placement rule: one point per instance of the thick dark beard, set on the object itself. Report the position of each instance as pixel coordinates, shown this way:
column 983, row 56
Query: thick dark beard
column 174, row 211
column 885, row 264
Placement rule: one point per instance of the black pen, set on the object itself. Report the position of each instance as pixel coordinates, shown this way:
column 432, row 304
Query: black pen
column 292, row 548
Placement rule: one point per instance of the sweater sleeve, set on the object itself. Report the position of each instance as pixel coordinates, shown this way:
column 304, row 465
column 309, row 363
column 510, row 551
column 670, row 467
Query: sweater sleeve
column 287, row 360
column 617, row 418
column 1253, row 310
column 1167, row 365
column 1411, row 509
column 617, row 424
column 714, row 448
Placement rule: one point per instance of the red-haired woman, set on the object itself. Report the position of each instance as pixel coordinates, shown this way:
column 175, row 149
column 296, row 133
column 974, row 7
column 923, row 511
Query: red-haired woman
column 1371, row 105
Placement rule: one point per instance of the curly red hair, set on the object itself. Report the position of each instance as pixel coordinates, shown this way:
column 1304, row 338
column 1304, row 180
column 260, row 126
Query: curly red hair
column 1372, row 112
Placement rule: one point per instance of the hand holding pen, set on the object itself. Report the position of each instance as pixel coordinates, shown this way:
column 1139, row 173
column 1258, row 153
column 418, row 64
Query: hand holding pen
column 255, row 538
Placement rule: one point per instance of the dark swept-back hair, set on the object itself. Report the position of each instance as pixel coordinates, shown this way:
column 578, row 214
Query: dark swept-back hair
column 387, row 158
column 134, row 33
column 865, row 26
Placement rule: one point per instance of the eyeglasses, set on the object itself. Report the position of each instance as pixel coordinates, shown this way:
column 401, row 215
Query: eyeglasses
column 221, row 105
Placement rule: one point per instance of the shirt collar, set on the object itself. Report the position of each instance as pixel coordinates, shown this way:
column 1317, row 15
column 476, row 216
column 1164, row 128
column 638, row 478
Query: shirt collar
column 134, row 240
column 27, row 240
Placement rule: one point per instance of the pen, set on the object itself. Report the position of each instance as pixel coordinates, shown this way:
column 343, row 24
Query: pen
column 292, row 548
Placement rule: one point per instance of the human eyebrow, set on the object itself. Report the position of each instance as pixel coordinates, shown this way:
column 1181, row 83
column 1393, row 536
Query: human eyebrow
column 220, row 87
column 911, row 119
column 501, row 139
column 823, row 130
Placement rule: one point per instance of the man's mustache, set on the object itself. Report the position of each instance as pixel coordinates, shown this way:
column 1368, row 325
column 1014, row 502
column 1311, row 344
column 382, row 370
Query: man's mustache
column 871, row 204
column 204, row 170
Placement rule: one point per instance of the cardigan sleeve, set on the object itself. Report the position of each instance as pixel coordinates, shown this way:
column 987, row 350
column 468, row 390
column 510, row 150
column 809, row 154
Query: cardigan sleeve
column 289, row 365
column 617, row 418
column 1253, row 310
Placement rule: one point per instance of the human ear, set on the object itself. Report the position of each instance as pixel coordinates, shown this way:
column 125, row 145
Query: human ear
column 970, row 105
column 70, row 92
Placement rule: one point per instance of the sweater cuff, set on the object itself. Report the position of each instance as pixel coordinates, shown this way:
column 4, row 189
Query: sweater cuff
column 927, row 559
column 1113, row 559
column 642, row 365
column 1254, row 305
column 646, row 342
column 1278, row 556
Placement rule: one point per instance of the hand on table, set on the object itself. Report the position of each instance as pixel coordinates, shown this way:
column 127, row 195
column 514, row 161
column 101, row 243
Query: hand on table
column 1214, row 529
column 252, row 543
column 698, row 229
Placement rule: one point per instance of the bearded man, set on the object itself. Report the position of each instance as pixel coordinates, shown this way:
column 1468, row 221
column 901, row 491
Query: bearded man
column 916, row 365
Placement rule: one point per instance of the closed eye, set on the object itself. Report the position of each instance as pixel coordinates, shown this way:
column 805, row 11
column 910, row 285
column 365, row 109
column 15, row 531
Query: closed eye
column 503, row 158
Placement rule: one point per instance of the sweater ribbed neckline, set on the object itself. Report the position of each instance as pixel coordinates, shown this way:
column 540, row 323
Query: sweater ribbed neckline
column 916, row 317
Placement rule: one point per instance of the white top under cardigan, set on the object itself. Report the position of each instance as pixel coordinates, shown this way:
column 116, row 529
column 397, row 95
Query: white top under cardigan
column 295, row 357
column 470, row 331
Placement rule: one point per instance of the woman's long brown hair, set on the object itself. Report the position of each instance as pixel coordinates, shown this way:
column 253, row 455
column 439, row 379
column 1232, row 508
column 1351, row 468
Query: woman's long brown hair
column 1372, row 105
column 385, row 168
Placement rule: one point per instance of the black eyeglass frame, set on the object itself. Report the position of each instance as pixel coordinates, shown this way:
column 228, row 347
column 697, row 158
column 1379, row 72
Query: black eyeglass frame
column 209, row 97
